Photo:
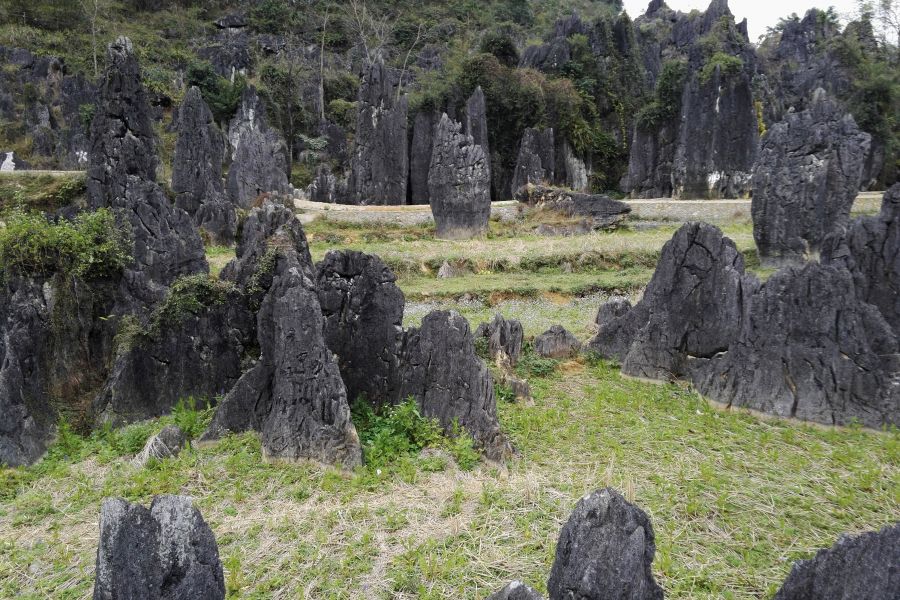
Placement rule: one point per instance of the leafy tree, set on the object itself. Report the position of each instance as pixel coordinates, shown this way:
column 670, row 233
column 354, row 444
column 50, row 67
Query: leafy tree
column 501, row 46
column 220, row 94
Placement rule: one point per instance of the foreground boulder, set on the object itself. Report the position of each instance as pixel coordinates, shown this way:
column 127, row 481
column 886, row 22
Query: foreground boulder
column 516, row 590
column 459, row 184
column 556, row 342
column 294, row 396
column 601, row 212
column 805, row 180
column 810, row 350
column 870, row 249
column 693, row 308
column 865, row 566
column 605, row 552
column 379, row 165
column 161, row 553
column 363, row 311
column 197, row 170
column 122, row 140
column 449, row 382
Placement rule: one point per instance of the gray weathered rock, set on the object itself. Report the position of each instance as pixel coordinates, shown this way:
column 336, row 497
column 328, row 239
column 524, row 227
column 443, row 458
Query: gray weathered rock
column 811, row 350
column 805, row 181
column 197, row 170
column 609, row 311
column 604, row 552
column 325, row 187
column 440, row 370
column 379, row 166
column 166, row 552
column 165, row 245
column 121, row 132
column 602, row 212
column 516, row 590
column 363, row 309
column 250, row 116
column 502, row 334
column 195, row 354
column 536, row 160
column 870, row 249
column 458, row 184
column 9, row 162
column 168, row 443
column 693, row 307
column 294, row 395
column 260, row 165
column 476, row 125
column 420, row 155
column 27, row 417
column 864, row 566
column 556, row 342
column 229, row 54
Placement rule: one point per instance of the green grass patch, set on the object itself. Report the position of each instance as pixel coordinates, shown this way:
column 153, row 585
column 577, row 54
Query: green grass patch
column 40, row 192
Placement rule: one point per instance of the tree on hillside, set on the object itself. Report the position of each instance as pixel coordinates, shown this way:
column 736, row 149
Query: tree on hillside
column 371, row 28
column 92, row 9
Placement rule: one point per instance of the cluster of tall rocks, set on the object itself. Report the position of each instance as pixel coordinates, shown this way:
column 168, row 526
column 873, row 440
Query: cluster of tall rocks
column 817, row 342
column 286, row 343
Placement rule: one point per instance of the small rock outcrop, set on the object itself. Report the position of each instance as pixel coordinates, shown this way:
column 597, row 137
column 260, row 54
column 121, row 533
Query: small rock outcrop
column 122, row 140
column 10, row 162
column 810, row 350
column 556, row 342
column 537, row 159
column 326, row 187
column 168, row 443
column 379, row 165
column 250, row 116
column 294, row 396
column 601, row 212
column 503, row 334
column 197, row 170
column 693, row 307
column 162, row 553
column 864, row 566
column 609, row 311
column 459, row 184
column 805, row 180
column 516, row 590
column 440, row 370
column 363, row 310
column 870, row 249
column 604, row 552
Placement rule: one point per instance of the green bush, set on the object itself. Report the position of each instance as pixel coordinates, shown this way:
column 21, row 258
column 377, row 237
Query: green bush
column 270, row 16
column 219, row 93
column 401, row 431
column 93, row 245
column 501, row 46
column 730, row 66
column 667, row 102
column 189, row 295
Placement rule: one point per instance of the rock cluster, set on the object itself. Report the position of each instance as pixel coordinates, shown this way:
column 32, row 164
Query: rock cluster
column 811, row 350
column 459, row 185
column 504, row 339
column 294, row 396
column 693, row 307
column 379, row 166
column 601, row 212
column 197, row 170
column 161, row 553
column 805, row 180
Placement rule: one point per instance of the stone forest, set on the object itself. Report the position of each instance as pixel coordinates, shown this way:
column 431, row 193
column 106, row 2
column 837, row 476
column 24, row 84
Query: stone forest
column 508, row 300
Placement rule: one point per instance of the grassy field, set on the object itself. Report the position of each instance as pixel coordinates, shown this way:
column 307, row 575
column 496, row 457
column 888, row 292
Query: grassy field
column 733, row 498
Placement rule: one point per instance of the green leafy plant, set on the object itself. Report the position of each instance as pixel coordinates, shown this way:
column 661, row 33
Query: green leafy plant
column 400, row 431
